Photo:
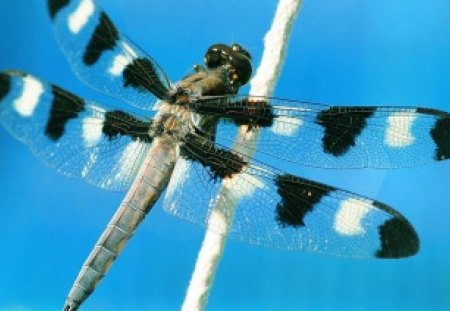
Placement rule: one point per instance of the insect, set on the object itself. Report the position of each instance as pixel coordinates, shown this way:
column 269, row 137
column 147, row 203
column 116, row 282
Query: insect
column 183, row 147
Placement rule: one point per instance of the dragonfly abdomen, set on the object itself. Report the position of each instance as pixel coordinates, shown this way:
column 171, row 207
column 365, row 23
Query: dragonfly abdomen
column 145, row 191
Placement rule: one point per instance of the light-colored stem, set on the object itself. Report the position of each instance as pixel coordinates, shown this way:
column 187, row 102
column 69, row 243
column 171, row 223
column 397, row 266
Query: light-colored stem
column 263, row 84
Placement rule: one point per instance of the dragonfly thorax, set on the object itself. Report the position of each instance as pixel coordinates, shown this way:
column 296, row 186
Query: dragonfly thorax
column 171, row 121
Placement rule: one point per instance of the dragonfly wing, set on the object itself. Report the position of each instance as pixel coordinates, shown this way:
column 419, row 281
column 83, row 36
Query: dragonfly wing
column 333, row 136
column 102, row 57
column 280, row 210
column 79, row 138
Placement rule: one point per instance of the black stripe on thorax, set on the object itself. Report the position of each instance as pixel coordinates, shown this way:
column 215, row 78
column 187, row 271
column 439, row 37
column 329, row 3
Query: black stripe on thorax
column 342, row 125
column 141, row 74
column 221, row 162
column 104, row 37
column 298, row 197
column 65, row 106
column 121, row 123
column 54, row 6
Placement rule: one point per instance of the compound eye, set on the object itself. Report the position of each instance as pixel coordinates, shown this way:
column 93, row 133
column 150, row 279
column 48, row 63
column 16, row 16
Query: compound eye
column 236, row 48
column 239, row 49
column 243, row 68
column 216, row 55
column 212, row 59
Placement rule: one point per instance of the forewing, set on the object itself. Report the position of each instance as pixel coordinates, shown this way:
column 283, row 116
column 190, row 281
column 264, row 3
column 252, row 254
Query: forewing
column 280, row 210
column 102, row 57
column 333, row 136
column 79, row 138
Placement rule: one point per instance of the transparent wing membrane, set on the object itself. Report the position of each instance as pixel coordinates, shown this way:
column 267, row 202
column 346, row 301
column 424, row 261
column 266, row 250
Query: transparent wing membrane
column 103, row 58
column 283, row 211
column 78, row 138
column 333, row 136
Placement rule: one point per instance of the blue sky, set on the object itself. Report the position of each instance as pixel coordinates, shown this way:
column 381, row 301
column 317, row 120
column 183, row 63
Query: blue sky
column 342, row 52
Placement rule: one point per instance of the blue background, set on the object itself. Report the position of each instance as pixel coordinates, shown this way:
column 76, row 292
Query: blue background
column 377, row 52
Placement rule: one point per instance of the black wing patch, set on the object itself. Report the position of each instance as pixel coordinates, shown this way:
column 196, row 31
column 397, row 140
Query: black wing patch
column 441, row 136
column 119, row 123
column 255, row 112
column 347, row 125
column 104, row 38
column 141, row 75
column 5, row 85
column 56, row 5
column 65, row 106
column 221, row 162
column 397, row 239
column 292, row 208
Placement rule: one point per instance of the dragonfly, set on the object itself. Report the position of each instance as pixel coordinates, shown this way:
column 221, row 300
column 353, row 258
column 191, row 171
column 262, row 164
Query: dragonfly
column 181, row 144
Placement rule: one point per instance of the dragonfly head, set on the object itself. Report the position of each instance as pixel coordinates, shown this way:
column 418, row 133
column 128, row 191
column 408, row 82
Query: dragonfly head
column 234, row 58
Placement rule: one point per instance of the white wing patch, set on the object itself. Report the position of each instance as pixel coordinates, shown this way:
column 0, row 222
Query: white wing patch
column 124, row 168
column 92, row 131
column 127, row 160
column 79, row 18
column 351, row 212
column 122, row 60
column 286, row 126
column 180, row 173
column 119, row 64
column 28, row 100
column 237, row 189
column 93, row 126
column 398, row 133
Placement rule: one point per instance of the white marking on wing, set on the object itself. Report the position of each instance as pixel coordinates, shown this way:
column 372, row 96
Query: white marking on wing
column 92, row 131
column 119, row 64
column 351, row 212
column 122, row 60
column 28, row 100
column 179, row 175
column 79, row 18
column 243, row 184
column 125, row 167
column 286, row 126
column 398, row 133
